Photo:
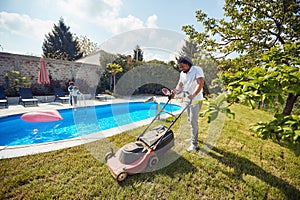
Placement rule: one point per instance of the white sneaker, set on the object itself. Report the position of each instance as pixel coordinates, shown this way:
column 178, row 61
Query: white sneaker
column 191, row 148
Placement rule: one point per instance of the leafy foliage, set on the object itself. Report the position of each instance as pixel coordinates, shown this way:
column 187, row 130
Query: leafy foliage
column 263, row 37
column 15, row 80
column 284, row 128
column 217, row 106
column 274, row 80
column 106, row 79
column 126, row 64
column 60, row 44
column 250, row 27
column 86, row 46
column 114, row 68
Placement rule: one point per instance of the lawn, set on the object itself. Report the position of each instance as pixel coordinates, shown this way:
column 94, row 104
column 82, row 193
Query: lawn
column 240, row 166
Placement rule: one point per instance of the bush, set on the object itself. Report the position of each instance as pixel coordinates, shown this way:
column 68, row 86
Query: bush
column 15, row 80
column 282, row 128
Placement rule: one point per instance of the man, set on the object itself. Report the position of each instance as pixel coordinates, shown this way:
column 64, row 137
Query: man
column 191, row 83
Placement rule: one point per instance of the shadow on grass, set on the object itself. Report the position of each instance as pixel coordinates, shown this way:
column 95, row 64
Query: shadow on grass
column 243, row 165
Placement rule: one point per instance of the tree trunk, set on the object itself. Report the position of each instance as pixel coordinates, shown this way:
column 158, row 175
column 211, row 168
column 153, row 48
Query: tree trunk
column 291, row 99
column 114, row 84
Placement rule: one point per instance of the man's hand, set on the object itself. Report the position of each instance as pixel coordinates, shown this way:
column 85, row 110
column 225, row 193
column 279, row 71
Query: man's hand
column 191, row 96
column 173, row 92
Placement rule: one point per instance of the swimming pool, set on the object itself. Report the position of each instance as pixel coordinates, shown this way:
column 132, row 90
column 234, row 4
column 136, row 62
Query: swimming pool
column 76, row 122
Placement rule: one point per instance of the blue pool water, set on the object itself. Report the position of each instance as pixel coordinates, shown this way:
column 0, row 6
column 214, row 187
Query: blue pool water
column 76, row 122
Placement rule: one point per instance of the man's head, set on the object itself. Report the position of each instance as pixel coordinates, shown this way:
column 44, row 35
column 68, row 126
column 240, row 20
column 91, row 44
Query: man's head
column 184, row 63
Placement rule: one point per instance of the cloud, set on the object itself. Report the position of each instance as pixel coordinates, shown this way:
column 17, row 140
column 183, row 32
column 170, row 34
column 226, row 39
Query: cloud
column 157, row 44
column 100, row 13
column 118, row 25
column 23, row 25
column 114, row 3
column 151, row 21
column 105, row 14
column 83, row 9
column 158, row 54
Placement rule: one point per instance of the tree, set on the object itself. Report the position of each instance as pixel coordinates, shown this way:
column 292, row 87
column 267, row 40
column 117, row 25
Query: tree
column 60, row 44
column 106, row 80
column 189, row 49
column 262, row 37
column 15, row 80
column 114, row 68
column 86, row 46
column 253, row 27
column 138, row 53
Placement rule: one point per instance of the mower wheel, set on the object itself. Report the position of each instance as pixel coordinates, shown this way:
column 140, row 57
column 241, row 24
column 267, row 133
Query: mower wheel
column 108, row 156
column 121, row 176
column 153, row 160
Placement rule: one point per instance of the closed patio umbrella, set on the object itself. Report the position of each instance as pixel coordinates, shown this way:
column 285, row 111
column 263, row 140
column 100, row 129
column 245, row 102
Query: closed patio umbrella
column 43, row 73
column 43, row 77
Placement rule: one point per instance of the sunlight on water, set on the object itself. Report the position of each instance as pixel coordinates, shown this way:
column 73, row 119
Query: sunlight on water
column 108, row 116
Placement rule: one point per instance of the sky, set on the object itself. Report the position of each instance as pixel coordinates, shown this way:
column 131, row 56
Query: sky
column 24, row 23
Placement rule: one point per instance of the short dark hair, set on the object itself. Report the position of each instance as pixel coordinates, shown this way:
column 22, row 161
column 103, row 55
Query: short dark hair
column 184, row 60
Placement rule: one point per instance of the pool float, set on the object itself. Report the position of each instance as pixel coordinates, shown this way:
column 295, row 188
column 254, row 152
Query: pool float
column 42, row 116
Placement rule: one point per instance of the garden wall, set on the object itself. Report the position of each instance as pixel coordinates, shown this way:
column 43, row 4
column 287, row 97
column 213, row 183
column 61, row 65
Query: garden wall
column 87, row 75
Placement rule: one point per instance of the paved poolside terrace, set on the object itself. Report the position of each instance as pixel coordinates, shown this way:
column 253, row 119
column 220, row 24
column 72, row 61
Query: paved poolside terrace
column 47, row 103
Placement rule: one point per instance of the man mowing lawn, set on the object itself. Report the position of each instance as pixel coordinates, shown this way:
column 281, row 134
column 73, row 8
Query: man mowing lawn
column 191, row 83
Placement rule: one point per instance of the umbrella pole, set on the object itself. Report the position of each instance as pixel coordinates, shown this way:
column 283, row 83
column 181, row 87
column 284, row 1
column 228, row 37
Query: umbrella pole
column 45, row 96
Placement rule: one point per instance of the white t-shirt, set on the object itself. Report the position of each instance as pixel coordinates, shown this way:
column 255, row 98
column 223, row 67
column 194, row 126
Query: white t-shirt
column 189, row 81
column 75, row 92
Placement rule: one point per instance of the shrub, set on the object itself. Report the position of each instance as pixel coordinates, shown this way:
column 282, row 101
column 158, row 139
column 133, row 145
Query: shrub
column 14, row 81
column 283, row 127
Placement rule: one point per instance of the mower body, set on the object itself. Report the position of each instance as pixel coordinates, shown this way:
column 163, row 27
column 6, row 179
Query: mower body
column 141, row 155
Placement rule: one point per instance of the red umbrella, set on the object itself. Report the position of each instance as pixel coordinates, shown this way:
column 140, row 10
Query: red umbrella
column 43, row 77
column 43, row 74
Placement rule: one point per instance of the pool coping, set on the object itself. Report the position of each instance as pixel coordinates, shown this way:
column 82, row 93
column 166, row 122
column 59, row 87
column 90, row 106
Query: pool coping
column 24, row 150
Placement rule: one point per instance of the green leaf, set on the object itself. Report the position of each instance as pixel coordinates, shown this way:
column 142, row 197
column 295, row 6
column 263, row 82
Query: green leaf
column 280, row 99
column 287, row 129
column 252, row 103
column 295, row 138
column 229, row 113
column 212, row 116
column 297, row 132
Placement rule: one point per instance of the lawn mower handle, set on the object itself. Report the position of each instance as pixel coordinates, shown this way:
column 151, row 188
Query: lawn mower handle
column 161, row 110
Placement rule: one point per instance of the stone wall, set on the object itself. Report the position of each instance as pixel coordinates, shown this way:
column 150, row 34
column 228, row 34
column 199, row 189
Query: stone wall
column 87, row 74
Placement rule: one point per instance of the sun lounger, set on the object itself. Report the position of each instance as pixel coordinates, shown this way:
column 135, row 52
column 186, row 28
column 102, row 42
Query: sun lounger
column 104, row 97
column 60, row 95
column 26, row 96
column 3, row 98
column 101, row 97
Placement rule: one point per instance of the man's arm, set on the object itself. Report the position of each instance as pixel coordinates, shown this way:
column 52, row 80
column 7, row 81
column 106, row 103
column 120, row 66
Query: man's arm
column 200, row 85
column 177, row 89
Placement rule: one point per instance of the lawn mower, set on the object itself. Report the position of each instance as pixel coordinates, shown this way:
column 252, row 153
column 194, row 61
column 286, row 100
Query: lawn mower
column 143, row 154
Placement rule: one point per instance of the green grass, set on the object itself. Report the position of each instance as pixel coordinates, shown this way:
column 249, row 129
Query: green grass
column 240, row 166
